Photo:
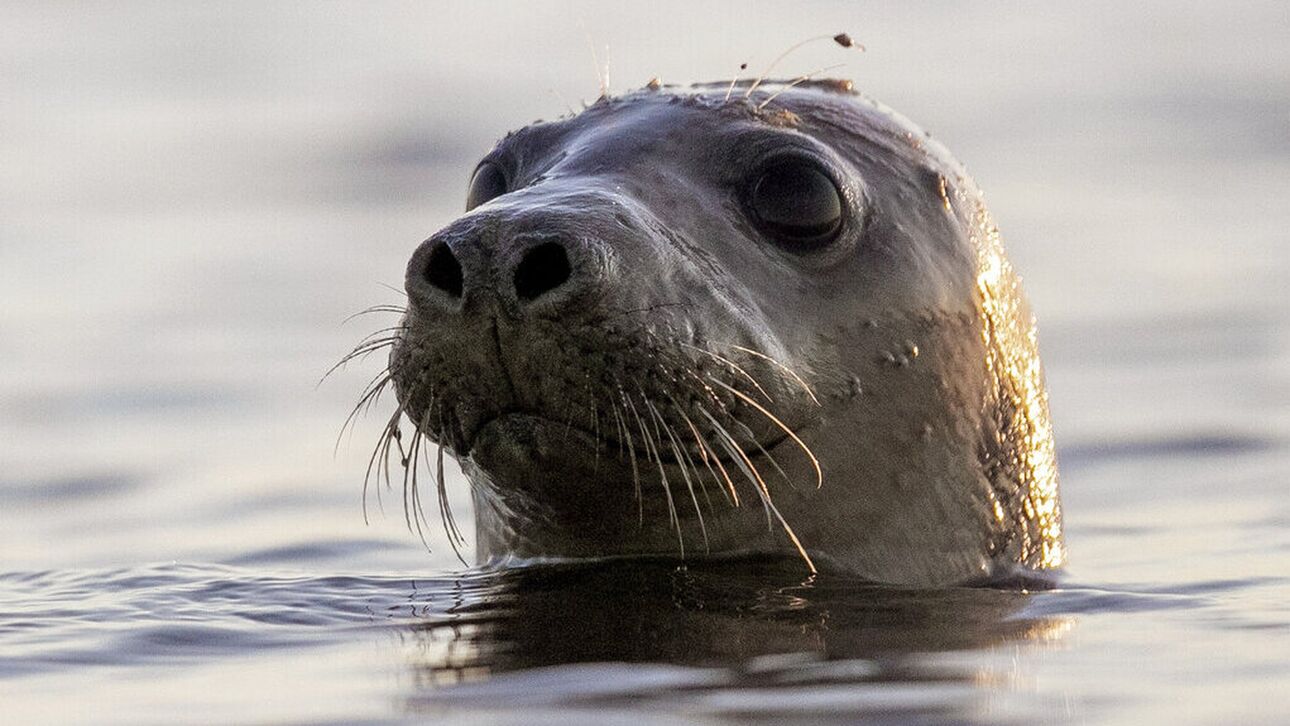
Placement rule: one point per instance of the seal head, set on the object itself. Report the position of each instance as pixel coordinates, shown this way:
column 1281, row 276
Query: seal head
column 690, row 321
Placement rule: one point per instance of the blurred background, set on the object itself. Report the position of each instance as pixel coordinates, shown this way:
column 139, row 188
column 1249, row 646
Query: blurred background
column 196, row 196
column 193, row 197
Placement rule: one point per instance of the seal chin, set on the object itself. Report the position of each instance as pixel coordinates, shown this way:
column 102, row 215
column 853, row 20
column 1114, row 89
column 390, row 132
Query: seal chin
column 540, row 445
column 526, row 454
column 530, row 435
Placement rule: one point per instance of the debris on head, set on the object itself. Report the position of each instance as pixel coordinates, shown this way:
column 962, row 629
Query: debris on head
column 731, row 89
column 778, row 117
column 654, row 84
column 844, row 40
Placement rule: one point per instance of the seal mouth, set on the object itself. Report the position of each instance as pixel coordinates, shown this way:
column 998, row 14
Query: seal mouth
column 604, row 442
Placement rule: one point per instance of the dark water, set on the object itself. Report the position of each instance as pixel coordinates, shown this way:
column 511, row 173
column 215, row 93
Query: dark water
column 192, row 199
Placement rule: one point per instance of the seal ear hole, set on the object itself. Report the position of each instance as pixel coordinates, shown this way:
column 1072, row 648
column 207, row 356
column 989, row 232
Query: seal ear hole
column 443, row 270
column 543, row 269
column 796, row 203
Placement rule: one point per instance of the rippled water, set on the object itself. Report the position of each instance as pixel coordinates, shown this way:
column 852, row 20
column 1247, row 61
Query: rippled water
column 195, row 197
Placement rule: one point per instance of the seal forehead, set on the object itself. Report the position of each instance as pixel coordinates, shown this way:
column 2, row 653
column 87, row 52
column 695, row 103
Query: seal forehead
column 828, row 111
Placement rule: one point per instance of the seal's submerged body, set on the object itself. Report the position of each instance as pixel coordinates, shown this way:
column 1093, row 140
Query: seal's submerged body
column 690, row 321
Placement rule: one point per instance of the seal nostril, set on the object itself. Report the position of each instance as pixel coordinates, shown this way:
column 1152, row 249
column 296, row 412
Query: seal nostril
column 443, row 270
column 543, row 269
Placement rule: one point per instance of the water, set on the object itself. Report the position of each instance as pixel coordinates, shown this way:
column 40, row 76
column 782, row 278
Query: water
column 194, row 198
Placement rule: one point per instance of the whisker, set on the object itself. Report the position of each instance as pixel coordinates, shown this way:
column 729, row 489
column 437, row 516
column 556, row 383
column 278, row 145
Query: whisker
column 750, row 470
column 449, row 523
column 413, row 513
column 748, row 433
column 392, row 309
column 676, row 451
column 392, row 288
column 372, row 336
column 788, row 371
column 362, row 350
column 382, row 444
column 703, row 383
column 409, row 507
column 455, row 535
column 819, row 473
column 370, row 393
column 631, row 457
column 727, row 441
column 704, row 451
column 651, row 446
column 703, row 454
column 595, row 427
column 733, row 365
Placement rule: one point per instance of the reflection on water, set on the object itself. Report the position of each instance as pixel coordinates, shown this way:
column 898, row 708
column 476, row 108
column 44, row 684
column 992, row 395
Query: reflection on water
column 728, row 637
column 707, row 614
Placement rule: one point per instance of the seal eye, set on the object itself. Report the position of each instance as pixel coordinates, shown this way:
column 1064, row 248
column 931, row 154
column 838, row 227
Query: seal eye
column 796, row 203
column 487, row 184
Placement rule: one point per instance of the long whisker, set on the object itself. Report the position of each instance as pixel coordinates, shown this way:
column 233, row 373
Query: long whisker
column 382, row 445
column 703, row 383
column 392, row 309
column 370, row 394
column 748, row 434
column 455, row 536
column 375, row 333
column 733, row 365
column 819, row 473
column 689, row 485
column 709, row 458
column 363, row 349
column 412, row 512
column 651, row 447
column 787, row 371
column 595, row 427
column 409, row 506
column 631, row 457
column 750, row 470
column 703, row 455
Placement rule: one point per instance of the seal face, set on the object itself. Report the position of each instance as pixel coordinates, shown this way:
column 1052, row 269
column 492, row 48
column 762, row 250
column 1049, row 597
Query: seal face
column 690, row 321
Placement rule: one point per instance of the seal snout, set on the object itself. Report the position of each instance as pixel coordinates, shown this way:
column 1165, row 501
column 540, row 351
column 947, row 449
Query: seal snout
column 541, row 269
column 450, row 272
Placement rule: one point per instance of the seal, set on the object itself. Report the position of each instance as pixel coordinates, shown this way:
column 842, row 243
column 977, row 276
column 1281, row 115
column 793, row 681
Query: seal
column 725, row 319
